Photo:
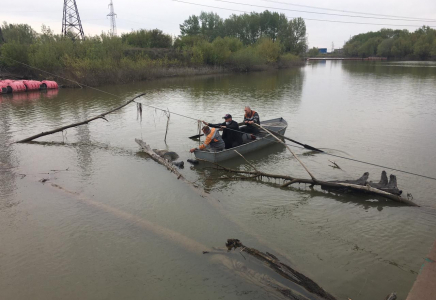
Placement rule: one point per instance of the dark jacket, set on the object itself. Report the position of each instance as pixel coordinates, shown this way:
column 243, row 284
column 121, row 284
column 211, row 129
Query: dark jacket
column 231, row 138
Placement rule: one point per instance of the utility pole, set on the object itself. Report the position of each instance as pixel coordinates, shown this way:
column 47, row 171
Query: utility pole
column 71, row 24
column 333, row 47
column 112, row 15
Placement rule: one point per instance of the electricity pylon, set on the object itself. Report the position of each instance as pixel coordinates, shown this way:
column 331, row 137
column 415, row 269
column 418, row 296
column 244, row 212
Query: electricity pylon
column 112, row 15
column 71, row 24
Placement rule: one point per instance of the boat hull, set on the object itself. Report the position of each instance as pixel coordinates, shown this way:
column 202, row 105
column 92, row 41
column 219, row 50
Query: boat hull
column 278, row 125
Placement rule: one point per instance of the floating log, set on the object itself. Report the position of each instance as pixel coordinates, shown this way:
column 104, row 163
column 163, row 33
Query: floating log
column 342, row 185
column 383, row 185
column 147, row 149
column 283, row 270
column 101, row 116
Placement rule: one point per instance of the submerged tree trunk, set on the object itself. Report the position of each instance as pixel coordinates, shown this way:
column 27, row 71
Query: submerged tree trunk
column 360, row 185
column 283, row 270
column 147, row 149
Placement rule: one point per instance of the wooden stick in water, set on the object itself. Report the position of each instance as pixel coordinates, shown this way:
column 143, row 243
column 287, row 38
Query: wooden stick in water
column 101, row 116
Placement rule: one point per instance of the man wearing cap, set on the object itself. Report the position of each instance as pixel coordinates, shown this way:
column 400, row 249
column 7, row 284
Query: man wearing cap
column 231, row 135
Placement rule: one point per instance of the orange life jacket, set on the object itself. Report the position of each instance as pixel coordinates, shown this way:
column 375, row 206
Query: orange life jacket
column 210, row 138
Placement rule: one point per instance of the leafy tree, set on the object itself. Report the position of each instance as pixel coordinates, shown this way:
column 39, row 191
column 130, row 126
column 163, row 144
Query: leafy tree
column 352, row 48
column 433, row 48
column 211, row 26
column 20, row 33
column 385, row 47
column 297, row 42
column 14, row 51
column 422, row 48
column 313, row 52
column 268, row 49
column 190, row 26
column 187, row 41
column 220, row 51
column 393, row 43
column 369, row 48
column 249, row 28
column 147, row 39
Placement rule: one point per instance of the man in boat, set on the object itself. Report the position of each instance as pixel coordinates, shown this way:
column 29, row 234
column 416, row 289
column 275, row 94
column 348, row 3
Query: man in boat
column 213, row 142
column 231, row 135
column 250, row 118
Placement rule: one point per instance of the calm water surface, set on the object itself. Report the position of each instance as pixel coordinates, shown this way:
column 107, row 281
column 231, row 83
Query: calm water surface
column 112, row 224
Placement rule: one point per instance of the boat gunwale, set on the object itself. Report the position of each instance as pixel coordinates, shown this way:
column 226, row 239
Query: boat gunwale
column 253, row 141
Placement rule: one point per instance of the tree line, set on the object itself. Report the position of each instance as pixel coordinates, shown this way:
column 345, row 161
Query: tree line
column 398, row 44
column 249, row 29
column 242, row 43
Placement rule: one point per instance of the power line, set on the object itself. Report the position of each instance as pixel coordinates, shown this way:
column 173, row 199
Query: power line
column 308, row 19
column 348, row 11
column 317, row 13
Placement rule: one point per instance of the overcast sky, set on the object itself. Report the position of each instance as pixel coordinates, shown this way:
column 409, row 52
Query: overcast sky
column 167, row 15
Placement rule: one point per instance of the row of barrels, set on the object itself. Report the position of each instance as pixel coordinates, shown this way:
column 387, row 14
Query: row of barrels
column 14, row 86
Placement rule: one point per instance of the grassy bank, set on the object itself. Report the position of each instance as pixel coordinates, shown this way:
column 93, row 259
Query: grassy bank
column 139, row 55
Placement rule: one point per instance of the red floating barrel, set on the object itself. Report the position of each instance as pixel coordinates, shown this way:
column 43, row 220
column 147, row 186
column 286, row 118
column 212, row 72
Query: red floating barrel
column 17, row 86
column 49, row 84
column 3, row 87
column 32, row 85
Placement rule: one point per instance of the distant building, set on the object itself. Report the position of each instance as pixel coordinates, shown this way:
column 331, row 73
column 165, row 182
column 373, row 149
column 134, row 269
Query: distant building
column 322, row 50
column 338, row 51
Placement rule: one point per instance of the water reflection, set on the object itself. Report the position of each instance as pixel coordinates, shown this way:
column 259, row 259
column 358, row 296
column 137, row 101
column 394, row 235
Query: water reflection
column 8, row 162
column 409, row 69
column 325, row 104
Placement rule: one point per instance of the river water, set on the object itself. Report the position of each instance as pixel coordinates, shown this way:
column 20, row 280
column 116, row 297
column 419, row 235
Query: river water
column 110, row 223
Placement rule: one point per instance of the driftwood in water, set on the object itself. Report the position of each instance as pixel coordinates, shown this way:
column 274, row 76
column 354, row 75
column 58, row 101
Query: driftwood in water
column 170, row 156
column 383, row 185
column 367, row 188
column 101, row 116
column 147, row 149
column 283, row 270
column 391, row 296
column 387, row 186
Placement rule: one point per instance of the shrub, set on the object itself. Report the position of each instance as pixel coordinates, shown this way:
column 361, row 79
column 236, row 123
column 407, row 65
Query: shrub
column 15, row 51
column 313, row 52
column 220, row 51
column 246, row 59
column 268, row 50
column 147, row 39
column 289, row 59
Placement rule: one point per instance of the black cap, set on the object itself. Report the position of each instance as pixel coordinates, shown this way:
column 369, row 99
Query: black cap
column 227, row 116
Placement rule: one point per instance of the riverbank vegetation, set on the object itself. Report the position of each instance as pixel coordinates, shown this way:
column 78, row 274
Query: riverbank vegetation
column 396, row 44
column 207, row 44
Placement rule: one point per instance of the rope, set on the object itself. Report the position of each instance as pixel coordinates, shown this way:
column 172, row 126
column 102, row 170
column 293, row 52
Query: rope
column 356, row 160
column 338, row 156
column 368, row 163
